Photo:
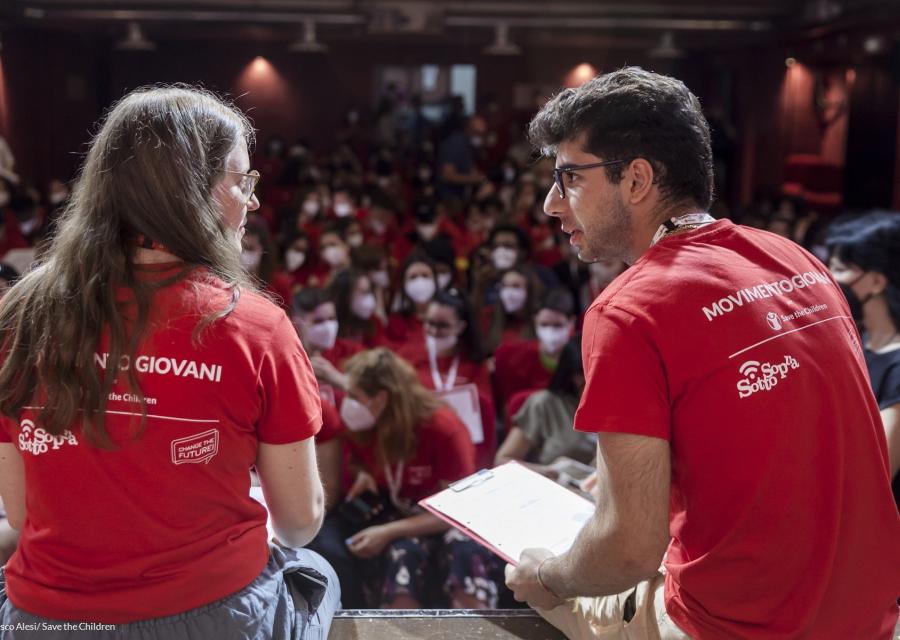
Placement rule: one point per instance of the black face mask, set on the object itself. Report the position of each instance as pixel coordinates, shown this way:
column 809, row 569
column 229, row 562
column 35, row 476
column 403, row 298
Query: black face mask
column 854, row 302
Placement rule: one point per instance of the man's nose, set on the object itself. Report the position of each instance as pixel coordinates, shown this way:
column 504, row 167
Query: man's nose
column 553, row 203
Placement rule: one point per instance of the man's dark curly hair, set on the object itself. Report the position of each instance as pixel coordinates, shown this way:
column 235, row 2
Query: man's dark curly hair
column 632, row 113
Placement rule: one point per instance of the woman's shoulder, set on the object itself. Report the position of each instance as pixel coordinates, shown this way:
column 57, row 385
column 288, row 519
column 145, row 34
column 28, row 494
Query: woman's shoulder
column 252, row 314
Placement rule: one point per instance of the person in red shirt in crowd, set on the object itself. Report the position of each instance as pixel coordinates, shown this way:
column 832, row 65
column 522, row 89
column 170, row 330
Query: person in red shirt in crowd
column 419, row 286
column 316, row 319
column 307, row 214
column 258, row 256
column 150, row 359
column 541, row 429
column 404, row 445
column 334, row 251
column 374, row 262
column 512, row 317
column 524, row 366
column 450, row 357
column 345, row 203
column 451, row 344
column 478, row 224
column 740, row 443
column 297, row 268
column 359, row 317
column 428, row 232
column 380, row 224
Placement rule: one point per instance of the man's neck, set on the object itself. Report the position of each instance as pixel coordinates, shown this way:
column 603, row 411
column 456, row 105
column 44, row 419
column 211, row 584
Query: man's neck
column 644, row 237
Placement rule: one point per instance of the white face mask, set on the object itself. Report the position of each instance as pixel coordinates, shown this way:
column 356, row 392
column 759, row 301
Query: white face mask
column 553, row 338
column 439, row 344
column 334, row 255
column 427, row 231
column 356, row 416
column 311, row 207
column 250, row 259
column 322, row 335
column 380, row 279
column 503, row 258
column 343, row 209
column 355, row 240
column 444, row 280
column 420, row 289
column 363, row 306
column 513, row 298
column 29, row 225
column 294, row 259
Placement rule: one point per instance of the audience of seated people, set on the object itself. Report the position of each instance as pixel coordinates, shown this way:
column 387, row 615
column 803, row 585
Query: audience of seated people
column 407, row 279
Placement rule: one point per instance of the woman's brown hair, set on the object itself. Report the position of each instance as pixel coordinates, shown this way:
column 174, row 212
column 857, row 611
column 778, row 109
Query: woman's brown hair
column 150, row 171
column 408, row 402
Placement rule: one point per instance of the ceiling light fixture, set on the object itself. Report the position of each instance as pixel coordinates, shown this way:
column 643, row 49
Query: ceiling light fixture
column 307, row 42
column 135, row 40
column 501, row 45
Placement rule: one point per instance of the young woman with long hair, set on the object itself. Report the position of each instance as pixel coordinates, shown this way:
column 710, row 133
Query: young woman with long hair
column 142, row 377
column 405, row 445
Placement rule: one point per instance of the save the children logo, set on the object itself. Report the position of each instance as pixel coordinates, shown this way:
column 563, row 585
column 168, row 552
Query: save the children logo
column 201, row 447
column 37, row 441
column 773, row 320
column 763, row 376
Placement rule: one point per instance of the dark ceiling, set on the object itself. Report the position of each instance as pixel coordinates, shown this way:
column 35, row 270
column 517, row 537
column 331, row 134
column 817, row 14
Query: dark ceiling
column 677, row 24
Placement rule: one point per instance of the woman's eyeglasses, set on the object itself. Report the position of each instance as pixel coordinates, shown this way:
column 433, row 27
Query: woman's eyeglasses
column 248, row 183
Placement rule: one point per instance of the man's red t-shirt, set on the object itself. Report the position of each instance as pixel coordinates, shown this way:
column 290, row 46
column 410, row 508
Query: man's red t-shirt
column 163, row 523
column 737, row 347
column 444, row 453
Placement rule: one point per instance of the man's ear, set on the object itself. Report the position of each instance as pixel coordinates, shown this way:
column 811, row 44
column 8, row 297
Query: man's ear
column 638, row 181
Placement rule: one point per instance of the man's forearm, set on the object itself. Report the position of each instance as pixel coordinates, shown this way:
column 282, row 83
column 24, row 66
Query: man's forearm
column 598, row 564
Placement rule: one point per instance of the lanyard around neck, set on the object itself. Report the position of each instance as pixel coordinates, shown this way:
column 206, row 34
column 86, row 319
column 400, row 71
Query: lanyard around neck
column 394, row 483
column 673, row 224
column 439, row 383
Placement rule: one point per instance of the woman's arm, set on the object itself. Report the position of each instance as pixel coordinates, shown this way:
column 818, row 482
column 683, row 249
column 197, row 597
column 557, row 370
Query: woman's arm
column 12, row 484
column 515, row 447
column 290, row 482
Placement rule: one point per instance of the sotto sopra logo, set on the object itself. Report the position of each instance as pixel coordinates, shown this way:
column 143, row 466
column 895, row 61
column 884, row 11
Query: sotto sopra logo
column 763, row 376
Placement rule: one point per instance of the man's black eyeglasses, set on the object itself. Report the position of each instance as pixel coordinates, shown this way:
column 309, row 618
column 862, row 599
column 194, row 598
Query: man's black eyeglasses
column 571, row 168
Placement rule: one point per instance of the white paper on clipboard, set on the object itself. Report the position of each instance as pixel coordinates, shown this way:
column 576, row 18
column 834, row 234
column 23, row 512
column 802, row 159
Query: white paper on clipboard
column 465, row 403
column 511, row 508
